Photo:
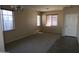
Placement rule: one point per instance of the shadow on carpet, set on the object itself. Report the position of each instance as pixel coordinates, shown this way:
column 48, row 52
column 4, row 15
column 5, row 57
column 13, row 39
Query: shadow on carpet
column 66, row 44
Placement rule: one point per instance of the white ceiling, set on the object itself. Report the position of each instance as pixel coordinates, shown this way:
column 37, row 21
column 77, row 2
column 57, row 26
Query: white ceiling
column 45, row 7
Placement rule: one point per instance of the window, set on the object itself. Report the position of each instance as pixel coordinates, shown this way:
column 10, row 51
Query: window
column 38, row 20
column 7, row 20
column 52, row 20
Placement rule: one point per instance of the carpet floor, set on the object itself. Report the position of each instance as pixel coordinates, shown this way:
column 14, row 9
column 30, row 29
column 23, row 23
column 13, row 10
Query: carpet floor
column 66, row 44
column 38, row 43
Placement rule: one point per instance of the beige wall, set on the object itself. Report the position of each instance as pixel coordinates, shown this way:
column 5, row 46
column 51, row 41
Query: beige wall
column 57, row 29
column 25, row 24
column 73, row 9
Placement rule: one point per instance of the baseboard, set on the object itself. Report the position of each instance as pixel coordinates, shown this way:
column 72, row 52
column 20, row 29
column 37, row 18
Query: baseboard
column 21, row 36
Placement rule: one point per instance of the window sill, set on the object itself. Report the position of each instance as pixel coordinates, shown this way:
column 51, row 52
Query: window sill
column 9, row 30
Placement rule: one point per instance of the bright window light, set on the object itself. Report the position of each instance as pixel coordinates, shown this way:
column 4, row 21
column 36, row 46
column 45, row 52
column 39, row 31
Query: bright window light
column 38, row 20
column 7, row 20
column 52, row 20
column 48, row 21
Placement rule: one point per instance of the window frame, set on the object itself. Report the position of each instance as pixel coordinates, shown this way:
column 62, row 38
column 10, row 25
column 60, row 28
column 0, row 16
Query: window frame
column 13, row 17
column 47, row 20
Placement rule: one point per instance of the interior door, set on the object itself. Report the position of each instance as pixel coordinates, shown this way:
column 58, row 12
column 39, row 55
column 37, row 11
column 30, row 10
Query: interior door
column 70, row 25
